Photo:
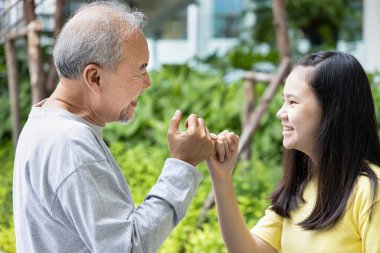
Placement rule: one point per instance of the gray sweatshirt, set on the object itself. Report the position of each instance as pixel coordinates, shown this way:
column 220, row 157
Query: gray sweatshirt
column 69, row 194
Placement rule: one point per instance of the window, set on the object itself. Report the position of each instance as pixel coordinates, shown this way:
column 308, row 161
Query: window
column 227, row 15
column 175, row 27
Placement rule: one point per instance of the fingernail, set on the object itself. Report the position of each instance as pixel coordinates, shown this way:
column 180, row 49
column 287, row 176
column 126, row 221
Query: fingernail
column 177, row 113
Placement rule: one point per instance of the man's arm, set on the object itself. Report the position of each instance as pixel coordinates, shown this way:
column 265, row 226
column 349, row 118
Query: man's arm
column 96, row 205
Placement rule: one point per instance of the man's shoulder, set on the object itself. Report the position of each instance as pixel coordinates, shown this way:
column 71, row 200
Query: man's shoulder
column 53, row 148
column 74, row 132
column 80, row 140
column 57, row 135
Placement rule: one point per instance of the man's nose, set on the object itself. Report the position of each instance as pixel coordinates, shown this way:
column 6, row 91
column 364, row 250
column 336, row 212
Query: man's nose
column 147, row 82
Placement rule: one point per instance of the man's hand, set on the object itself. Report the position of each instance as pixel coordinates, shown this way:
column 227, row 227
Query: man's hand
column 222, row 163
column 192, row 146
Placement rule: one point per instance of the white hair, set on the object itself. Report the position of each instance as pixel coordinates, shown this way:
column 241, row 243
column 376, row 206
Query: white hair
column 95, row 34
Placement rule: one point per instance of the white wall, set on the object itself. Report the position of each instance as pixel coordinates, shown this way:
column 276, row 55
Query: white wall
column 199, row 40
column 371, row 35
column 169, row 51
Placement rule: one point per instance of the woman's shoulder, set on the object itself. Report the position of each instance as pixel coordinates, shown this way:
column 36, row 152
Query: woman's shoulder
column 364, row 190
column 364, row 180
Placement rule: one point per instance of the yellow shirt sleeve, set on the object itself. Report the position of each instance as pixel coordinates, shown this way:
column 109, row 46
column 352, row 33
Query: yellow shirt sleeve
column 269, row 229
column 355, row 232
column 370, row 230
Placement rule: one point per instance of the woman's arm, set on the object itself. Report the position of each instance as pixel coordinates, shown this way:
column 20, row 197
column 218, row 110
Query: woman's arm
column 235, row 232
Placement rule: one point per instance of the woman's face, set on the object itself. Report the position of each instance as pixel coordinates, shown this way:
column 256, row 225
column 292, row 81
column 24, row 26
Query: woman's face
column 300, row 113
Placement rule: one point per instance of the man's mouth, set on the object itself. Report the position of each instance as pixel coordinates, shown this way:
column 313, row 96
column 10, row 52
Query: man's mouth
column 287, row 128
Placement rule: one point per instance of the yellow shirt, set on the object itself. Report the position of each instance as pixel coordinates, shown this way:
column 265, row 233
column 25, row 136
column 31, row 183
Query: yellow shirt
column 353, row 233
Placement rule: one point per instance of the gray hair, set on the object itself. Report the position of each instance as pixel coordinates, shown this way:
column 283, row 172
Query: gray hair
column 95, row 34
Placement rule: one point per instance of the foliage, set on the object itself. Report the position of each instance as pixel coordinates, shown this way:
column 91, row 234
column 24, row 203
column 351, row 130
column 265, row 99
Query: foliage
column 24, row 95
column 141, row 149
column 322, row 22
column 245, row 57
column 180, row 87
column 375, row 86
column 7, row 240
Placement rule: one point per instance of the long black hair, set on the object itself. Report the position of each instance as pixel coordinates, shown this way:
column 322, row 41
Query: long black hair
column 347, row 142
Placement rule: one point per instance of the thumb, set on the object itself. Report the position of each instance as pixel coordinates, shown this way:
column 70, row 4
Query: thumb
column 174, row 123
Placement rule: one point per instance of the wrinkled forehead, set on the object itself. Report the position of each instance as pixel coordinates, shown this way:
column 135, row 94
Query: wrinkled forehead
column 135, row 41
column 135, row 49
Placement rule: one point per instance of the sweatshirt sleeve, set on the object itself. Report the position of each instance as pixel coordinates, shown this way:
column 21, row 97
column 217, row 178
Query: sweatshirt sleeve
column 96, row 206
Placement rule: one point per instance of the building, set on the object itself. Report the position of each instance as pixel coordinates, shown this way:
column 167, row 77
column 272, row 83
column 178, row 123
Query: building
column 179, row 30
column 197, row 30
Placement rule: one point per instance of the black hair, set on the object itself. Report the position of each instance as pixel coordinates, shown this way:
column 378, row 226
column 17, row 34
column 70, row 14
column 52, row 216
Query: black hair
column 347, row 142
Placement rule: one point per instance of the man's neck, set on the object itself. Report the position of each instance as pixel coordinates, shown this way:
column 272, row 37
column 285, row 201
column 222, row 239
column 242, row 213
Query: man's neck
column 70, row 96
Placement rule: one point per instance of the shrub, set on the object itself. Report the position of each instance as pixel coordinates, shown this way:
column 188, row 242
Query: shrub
column 141, row 149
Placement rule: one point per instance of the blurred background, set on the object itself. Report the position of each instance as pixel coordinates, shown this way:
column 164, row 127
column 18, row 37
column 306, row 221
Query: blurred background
column 179, row 30
column 222, row 59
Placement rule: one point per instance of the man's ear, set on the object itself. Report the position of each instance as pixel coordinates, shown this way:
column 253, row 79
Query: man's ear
column 91, row 77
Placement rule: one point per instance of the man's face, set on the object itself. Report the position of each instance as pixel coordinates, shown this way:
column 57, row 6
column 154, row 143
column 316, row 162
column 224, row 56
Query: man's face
column 122, row 88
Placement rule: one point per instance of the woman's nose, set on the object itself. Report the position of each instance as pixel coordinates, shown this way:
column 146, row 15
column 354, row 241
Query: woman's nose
column 281, row 113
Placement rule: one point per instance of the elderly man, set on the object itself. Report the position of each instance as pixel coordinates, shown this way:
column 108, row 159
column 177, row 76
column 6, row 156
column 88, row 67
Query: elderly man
column 69, row 192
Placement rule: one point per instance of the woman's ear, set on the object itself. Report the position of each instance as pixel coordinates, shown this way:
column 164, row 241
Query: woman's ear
column 91, row 77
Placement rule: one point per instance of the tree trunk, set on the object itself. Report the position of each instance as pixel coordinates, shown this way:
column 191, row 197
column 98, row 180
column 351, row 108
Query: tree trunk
column 35, row 61
column 254, row 120
column 37, row 74
column 29, row 13
column 252, row 125
column 249, row 93
column 13, row 86
column 281, row 26
column 282, row 40
column 58, row 22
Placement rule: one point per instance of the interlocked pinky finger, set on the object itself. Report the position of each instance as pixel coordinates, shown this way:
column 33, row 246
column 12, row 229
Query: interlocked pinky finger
column 231, row 142
column 221, row 150
column 227, row 148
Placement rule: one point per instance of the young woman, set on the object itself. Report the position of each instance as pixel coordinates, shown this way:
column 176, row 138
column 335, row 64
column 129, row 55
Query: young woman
column 328, row 199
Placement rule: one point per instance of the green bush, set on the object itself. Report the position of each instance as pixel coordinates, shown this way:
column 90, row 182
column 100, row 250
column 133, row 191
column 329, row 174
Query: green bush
column 180, row 87
column 141, row 149
column 7, row 240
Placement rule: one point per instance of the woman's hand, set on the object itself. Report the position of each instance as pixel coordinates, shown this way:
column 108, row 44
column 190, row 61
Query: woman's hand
column 222, row 163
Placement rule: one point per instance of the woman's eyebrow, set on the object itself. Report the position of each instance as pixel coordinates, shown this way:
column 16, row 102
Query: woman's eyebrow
column 290, row 96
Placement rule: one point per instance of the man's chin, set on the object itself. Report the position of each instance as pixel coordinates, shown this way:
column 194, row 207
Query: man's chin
column 126, row 120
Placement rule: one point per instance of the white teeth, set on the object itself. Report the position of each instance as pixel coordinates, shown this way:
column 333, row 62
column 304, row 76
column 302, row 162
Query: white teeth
column 286, row 128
